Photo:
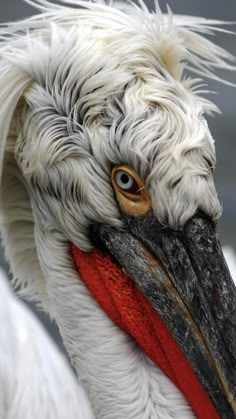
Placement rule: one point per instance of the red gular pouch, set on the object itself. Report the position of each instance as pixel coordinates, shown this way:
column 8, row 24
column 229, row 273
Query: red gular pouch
column 129, row 309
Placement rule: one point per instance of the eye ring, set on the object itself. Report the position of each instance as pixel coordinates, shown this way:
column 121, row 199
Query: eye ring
column 130, row 191
column 129, row 188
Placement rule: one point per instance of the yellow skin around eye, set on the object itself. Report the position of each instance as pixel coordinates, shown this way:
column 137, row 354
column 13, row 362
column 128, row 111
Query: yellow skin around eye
column 133, row 204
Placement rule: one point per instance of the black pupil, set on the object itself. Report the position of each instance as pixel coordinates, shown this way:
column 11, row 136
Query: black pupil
column 124, row 178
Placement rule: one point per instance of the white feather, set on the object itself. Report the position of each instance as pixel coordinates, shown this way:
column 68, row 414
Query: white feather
column 35, row 379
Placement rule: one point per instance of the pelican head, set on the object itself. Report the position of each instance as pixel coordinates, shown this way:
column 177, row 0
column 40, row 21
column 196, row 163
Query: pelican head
column 107, row 168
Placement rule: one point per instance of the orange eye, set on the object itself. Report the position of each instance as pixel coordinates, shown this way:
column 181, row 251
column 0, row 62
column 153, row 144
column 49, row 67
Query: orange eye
column 130, row 190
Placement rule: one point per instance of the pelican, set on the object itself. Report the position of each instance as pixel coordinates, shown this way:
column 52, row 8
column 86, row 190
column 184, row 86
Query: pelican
column 108, row 204
column 35, row 378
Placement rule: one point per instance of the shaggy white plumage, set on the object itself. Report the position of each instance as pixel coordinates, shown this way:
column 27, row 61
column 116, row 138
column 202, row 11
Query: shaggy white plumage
column 35, row 379
column 82, row 89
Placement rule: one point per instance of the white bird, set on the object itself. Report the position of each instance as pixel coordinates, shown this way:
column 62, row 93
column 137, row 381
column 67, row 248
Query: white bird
column 35, row 378
column 109, row 207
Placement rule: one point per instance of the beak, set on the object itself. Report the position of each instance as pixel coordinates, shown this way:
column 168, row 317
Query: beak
column 184, row 276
